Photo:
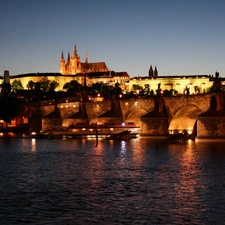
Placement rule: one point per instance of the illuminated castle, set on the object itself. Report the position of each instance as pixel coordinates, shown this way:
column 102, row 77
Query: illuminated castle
column 75, row 66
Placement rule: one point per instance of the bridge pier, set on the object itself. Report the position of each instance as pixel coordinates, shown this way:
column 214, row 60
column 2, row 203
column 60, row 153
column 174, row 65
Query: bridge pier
column 155, row 123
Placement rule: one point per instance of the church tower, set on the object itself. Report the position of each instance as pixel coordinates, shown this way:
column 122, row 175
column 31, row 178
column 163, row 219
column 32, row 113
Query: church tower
column 75, row 62
column 150, row 72
column 68, row 64
column 155, row 72
column 62, row 66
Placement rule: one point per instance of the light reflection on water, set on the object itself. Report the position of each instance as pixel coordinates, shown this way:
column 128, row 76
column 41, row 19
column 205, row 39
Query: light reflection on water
column 33, row 145
column 116, row 182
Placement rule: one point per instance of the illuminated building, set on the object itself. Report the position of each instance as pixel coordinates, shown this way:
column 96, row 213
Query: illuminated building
column 75, row 66
column 193, row 84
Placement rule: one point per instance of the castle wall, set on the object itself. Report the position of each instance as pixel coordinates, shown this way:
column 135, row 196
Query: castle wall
column 60, row 79
column 178, row 83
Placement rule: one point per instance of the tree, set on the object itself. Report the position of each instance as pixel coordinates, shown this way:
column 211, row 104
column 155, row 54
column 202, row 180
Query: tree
column 37, row 86
column 8, row 108
column 30, row 85
column 53, row 85
column 118, row 90
column 146, row 89
column 17, row 84
column 44, row 84
column 37, row 93
column 169, row 93
column 97, row 88
column 137, row 88
column 73, row 86
column 8, row 104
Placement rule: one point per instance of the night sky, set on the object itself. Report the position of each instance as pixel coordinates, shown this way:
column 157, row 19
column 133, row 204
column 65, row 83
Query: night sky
column 178, row 36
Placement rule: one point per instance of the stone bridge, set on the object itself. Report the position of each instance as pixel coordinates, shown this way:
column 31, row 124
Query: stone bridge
column 180, row 112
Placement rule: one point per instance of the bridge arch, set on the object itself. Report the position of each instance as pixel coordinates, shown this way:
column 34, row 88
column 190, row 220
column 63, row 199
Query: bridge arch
column 68, row 114
column 184, row 119
column 135, row 115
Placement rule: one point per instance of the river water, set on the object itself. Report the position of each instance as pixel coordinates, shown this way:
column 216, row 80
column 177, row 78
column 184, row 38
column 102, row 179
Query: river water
column 136, row 181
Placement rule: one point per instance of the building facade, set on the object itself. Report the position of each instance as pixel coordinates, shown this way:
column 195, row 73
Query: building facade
column 73, row 65
column 181, row 84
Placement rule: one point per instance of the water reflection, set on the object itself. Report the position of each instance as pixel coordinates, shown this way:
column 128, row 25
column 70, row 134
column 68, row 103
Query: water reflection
column 138, row 152
column 116, row 182
column 98, row 148
column 123, row 149
column 33, row 145
column 93, row 166
column 187, row 188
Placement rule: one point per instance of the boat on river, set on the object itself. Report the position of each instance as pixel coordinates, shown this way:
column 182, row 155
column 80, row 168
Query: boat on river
column 91, row 131
column 178, row 138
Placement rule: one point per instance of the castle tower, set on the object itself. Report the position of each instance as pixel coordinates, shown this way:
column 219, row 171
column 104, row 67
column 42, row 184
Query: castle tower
column 86, row 58
column 155, row 72
column 6, row 86
column 6, row 78
column 62, row 66
column 150, row 72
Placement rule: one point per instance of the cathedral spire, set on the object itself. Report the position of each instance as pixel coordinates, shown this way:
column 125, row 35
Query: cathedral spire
column 155, row 72
column 62, row 64
column 62, row 56
column 75, row 51
column 150, row 72
column 68, row 58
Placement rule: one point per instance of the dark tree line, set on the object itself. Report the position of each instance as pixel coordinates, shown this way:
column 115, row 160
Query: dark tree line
column 9, row 105
column 99, row 88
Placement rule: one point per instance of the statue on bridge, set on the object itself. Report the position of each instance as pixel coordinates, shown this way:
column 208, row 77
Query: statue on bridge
column 159, row 90
column 159, row 85
column 217, row 82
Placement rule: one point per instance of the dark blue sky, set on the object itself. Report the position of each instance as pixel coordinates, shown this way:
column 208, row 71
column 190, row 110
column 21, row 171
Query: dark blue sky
column 178, row 36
